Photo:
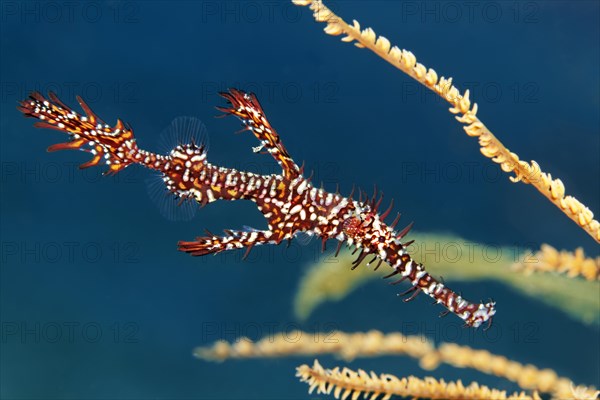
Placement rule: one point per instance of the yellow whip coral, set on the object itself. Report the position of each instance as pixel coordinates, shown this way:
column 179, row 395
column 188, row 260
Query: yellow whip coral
column 573, row 264
column 491, row 147
column 376, row 344
column 346, row 382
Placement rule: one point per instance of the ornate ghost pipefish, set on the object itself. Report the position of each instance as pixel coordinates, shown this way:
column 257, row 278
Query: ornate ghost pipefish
column 288, row 201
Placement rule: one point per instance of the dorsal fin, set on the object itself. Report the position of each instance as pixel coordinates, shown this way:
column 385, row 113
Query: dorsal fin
column 184, row 130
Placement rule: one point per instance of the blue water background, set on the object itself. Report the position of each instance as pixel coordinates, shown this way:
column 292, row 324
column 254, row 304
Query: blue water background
column 97, row 303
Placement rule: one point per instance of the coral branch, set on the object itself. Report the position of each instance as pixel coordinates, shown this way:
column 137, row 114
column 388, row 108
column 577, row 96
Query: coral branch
column 374, row 343
column 345, row 345
column 574, row 264
column 491, row 147
column 346, row 382
column 526, row 376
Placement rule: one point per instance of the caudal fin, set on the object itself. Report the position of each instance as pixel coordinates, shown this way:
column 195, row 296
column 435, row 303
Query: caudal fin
column 115, row 146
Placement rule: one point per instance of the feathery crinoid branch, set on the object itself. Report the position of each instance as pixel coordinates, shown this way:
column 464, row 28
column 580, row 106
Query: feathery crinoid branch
column 349, row 346
column 527, row 376
column 491, row 147
column 573, row 264
column 346, row 382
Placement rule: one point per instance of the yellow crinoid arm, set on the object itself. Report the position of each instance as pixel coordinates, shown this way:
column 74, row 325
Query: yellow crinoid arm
column 351, row 384
column 571, row 263
column 349, row 346
column 466, row 113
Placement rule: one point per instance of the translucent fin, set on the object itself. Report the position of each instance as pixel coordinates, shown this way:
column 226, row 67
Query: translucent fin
column 169, row 205
column 247, row 228
column 182, row 131
column 304, row 238
column 185, row 132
